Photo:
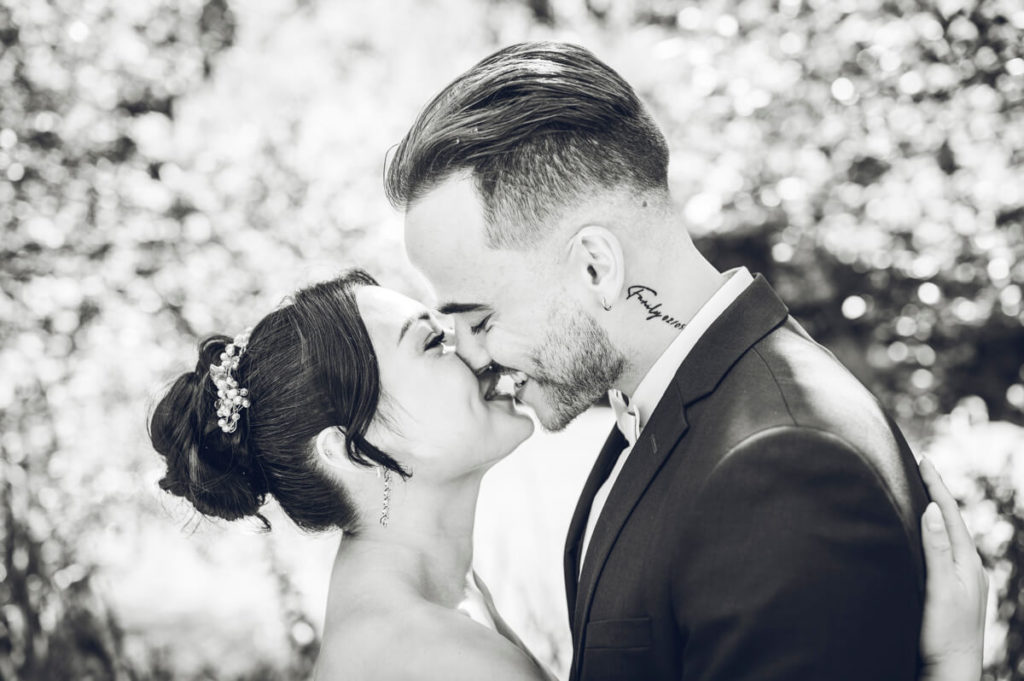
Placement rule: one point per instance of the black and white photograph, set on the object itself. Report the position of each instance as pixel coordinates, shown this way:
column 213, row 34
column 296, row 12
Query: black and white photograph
column 516, row 340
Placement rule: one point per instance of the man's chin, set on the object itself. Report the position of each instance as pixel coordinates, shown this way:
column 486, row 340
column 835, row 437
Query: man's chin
column 552, row 420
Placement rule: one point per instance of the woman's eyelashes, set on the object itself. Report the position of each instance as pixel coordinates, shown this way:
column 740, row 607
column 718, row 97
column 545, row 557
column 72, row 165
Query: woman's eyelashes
column 435, row 340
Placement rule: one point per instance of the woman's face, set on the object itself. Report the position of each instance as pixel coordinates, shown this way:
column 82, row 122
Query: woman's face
column 433, row 416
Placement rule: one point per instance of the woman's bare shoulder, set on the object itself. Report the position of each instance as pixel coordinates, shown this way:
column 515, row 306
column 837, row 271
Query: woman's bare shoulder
column 417, row 640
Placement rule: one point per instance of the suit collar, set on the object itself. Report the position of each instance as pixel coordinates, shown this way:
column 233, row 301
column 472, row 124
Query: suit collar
column 756, row 312
column 652, row 387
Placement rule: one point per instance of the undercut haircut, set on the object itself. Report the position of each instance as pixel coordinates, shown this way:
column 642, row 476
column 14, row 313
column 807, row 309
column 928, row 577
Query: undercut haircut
column 539, row 126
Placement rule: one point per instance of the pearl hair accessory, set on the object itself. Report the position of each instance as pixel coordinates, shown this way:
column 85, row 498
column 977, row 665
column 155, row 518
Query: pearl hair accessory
column 230, row 398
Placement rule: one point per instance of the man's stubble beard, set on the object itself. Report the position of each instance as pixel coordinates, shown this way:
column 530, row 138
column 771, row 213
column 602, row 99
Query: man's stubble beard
column 575, row 367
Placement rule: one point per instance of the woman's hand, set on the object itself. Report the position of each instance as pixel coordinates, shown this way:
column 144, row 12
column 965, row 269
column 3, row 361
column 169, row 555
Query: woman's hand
column 956, row 593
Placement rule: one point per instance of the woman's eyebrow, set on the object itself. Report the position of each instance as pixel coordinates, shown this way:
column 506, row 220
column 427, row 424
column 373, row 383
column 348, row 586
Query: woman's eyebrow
column 423, row 316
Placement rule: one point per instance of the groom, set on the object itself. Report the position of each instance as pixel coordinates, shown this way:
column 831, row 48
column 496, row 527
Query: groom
column 754, row 514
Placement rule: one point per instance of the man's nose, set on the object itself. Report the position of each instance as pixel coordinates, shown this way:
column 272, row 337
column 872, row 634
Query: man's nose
column 470, row 347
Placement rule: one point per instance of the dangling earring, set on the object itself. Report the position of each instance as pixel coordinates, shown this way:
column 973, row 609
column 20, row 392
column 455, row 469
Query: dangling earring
column 385, row 512
column 605, row 305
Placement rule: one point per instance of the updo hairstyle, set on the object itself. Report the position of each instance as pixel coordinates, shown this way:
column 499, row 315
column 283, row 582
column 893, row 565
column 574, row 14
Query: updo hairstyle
column 308, row 366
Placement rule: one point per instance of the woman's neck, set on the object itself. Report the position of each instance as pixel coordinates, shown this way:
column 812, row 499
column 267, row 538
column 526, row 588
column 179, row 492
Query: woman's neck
column 428, row 541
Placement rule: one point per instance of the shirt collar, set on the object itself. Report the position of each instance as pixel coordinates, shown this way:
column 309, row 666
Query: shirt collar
column 631, row 414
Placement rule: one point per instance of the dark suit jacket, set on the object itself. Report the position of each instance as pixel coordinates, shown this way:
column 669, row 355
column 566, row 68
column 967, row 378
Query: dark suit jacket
column 765, row 526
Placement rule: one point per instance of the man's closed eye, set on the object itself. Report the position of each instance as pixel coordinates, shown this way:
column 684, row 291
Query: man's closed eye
column 482, row 326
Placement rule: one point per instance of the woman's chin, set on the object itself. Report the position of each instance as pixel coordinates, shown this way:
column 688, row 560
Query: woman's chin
column 529, row 424
column 507, row 404
column 514, row 427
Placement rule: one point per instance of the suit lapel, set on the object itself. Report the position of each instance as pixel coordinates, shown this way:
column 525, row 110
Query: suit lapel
column 756, row 312
column 613, row 446
column 666, row 426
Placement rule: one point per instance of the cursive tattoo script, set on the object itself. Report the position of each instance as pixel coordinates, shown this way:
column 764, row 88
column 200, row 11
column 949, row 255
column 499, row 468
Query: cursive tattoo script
column 645, row 296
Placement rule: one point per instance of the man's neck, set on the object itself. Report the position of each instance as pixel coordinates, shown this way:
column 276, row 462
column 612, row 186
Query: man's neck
column 659, row 299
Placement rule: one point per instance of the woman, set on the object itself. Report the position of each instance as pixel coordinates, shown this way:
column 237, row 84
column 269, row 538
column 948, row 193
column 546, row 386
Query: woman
column 336, row 398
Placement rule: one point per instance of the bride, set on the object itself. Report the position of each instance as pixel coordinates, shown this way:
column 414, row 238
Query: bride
column 349, row 406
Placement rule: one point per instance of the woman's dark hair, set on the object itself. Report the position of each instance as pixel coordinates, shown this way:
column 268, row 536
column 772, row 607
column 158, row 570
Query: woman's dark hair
column 308, row 366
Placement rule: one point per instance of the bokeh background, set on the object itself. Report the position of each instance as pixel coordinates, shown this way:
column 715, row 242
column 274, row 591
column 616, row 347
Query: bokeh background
column 171, row 168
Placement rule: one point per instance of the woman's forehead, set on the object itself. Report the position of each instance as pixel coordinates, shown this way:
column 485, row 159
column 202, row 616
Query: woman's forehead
column 385, row 311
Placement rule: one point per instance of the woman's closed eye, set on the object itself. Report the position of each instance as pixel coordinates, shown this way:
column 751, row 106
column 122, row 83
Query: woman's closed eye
column 436, row 339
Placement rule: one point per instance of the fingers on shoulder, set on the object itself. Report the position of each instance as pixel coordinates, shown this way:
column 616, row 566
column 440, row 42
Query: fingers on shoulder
column 948, row 522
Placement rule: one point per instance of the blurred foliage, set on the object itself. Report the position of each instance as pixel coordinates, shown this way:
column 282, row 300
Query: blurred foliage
column 85, row 217
column 168, row 167
column 873, row 171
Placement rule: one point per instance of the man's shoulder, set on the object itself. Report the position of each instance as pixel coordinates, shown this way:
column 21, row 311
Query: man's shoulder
column 788, row 391
column 786, row 379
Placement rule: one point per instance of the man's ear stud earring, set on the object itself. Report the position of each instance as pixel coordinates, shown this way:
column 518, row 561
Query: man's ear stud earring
column 605, row 305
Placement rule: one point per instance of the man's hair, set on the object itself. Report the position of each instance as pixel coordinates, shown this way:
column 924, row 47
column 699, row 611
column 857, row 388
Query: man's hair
column 539, row 125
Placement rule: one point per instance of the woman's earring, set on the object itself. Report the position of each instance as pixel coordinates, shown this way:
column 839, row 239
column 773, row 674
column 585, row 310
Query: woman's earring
column 605, row 305
column 385, row 513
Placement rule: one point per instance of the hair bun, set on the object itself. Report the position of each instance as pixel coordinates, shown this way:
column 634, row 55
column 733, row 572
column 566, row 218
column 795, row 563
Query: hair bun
column 212, row 469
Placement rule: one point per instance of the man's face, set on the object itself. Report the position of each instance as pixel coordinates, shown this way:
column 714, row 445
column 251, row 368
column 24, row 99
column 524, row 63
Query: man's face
column 515, row 308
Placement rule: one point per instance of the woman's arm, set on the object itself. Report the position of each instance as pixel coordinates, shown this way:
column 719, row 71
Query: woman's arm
column 956, row 593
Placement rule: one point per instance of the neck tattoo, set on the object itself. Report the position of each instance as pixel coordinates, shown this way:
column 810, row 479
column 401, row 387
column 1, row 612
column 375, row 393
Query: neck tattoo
column 645, row 295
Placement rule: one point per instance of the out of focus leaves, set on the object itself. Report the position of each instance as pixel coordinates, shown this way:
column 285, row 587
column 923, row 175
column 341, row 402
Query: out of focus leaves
column 864, row 161
column 172, row 168
column 85, row 89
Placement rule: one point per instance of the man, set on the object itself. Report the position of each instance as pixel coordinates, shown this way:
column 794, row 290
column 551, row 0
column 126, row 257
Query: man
column 755, row 514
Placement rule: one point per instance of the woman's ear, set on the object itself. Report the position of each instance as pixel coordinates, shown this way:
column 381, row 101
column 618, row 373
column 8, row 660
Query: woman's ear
column 595, row 254
column 332, row 450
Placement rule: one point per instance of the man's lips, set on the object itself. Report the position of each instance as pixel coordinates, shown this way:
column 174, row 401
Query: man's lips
column 499, row 382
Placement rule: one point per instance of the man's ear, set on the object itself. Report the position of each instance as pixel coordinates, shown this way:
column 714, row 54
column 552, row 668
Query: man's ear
column 596, row 258
column 331, row 449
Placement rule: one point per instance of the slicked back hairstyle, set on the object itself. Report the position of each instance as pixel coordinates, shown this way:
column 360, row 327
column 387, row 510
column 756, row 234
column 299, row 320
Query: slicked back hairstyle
column 539, row 126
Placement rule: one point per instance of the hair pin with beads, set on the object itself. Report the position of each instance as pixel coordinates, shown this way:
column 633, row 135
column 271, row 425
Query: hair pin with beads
column 231, row 398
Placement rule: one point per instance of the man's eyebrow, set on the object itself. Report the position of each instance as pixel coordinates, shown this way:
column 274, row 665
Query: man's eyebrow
column 423, row 316
column 456, row 308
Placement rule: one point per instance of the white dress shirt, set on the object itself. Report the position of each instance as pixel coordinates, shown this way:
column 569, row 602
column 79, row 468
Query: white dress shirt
column 631, row 414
